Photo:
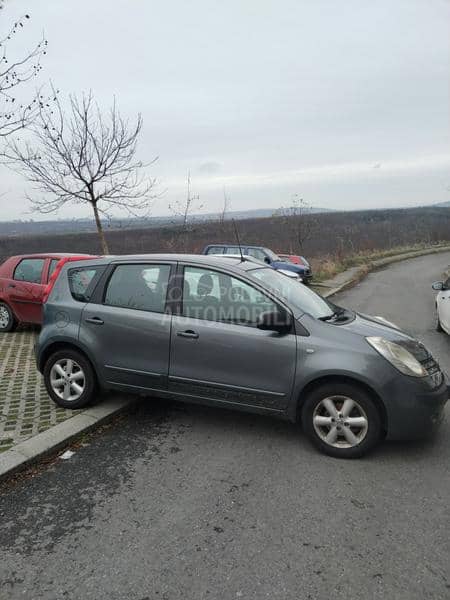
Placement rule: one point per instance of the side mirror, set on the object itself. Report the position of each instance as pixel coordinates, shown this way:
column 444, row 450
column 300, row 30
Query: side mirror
column 267, row 260
column 438, row 286
column 275, row 321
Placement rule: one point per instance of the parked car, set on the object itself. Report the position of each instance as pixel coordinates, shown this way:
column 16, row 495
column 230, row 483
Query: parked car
column 24, row 281
column 264, row 254
column 233, row 333
column 443, row 305
column 295, row 259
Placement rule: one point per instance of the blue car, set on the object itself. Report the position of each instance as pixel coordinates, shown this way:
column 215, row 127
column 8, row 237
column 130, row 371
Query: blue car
column 264, row 254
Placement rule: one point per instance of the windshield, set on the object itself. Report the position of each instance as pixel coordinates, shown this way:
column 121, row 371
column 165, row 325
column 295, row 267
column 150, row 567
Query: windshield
column 300, row 298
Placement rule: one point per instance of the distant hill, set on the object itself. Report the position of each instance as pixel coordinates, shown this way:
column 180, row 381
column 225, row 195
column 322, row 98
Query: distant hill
column 61, row 226
column 443, row 204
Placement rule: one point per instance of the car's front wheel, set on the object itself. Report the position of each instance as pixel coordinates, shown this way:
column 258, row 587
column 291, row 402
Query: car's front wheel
column 7, row 320
column 342, row 420
column 69, row 379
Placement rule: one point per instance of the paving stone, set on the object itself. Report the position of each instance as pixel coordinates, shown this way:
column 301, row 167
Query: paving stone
column 25, row 408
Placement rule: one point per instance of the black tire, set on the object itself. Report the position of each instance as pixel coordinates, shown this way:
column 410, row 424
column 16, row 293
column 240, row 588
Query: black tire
column 369, row 435
column 11, row 322
column 89, row 385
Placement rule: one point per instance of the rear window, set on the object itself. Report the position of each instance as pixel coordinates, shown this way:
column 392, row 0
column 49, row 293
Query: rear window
column 82, row 282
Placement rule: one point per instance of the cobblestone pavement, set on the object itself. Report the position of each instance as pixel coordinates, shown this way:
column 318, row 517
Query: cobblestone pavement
column 25, row 408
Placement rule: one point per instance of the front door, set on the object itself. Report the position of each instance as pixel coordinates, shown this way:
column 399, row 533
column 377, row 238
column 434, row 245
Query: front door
column 217, row 352
column 128, row 331
column 26, row 291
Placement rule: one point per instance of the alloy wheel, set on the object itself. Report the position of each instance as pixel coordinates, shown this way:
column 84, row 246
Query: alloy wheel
column 340, row 421
column 67, row 379
column 4, row 317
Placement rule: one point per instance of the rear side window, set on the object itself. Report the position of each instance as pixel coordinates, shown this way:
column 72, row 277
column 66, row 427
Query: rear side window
column 82, row 282
column 30, row 270
column 142, row 287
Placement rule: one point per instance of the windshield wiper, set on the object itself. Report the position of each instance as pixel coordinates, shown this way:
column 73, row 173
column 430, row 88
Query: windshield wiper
column 336, row 315
column 328, row 317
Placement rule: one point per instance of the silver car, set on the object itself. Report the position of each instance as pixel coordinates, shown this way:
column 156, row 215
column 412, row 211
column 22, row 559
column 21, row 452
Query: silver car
column 234, row 333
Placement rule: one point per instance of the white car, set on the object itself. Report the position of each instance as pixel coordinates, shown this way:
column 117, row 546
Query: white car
column 443, row 305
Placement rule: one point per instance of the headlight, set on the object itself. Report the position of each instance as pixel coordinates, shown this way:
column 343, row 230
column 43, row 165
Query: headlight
column 398, row 356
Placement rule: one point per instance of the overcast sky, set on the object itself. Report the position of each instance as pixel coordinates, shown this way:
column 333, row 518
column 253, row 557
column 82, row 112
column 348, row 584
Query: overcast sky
column 345, row 103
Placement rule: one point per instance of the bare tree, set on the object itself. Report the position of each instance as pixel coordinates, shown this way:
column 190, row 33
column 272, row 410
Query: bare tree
column 79, row 156
column 225, row 207
column 14, row 72
column 300, row 224
column 183, row 210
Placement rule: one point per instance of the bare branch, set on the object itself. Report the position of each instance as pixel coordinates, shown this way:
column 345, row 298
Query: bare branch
column 183, row 210
column 15, row 115
column 79, row 156
column 299, row 223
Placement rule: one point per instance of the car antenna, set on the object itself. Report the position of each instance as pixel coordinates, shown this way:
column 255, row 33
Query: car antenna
column 238, row 240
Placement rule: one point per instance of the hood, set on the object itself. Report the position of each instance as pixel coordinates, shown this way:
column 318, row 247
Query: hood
column 366, row 325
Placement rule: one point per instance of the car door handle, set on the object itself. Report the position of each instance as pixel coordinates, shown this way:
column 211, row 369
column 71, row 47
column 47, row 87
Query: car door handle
column 94, row 320
column 188, row 334
column 12, row 285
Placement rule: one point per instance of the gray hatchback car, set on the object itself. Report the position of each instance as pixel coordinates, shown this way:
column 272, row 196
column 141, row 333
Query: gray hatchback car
column 235, row 333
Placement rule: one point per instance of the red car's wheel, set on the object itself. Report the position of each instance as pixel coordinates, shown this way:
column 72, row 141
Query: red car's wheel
column 7, row 319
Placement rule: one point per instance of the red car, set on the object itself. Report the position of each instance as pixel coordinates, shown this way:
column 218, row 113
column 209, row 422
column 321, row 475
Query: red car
column 24, row 283
column 295, row 259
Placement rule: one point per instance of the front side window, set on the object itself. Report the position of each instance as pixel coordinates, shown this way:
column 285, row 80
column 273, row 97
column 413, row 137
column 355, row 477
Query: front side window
column 232, row 250
column 142, row 287
column 216, row 296
column 30, row 270
column 215, row 250
column 82, row 282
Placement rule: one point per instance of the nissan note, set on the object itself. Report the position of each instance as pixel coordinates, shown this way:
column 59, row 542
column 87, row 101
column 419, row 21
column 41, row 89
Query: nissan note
column 235, row 333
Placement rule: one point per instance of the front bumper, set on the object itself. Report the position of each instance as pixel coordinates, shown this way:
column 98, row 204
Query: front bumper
column 416, row 412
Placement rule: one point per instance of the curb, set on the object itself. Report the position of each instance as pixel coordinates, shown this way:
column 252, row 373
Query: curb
column 373, row 265
column 28, row 451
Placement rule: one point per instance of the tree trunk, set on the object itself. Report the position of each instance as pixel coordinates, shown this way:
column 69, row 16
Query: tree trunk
column 101, row 233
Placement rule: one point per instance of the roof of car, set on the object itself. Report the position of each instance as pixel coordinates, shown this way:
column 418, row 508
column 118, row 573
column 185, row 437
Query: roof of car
column 234, row 245
column 228, row 262
column 52, row 255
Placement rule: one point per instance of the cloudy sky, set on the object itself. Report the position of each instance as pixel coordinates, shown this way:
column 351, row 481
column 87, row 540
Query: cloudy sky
column 345, row 103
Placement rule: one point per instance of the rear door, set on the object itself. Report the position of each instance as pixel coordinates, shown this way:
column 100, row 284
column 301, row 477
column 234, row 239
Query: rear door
column 26, row 289
column 127, row 327
column 217, row 352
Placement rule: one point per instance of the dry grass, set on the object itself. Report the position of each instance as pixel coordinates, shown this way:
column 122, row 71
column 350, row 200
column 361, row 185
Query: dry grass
column 328, row 267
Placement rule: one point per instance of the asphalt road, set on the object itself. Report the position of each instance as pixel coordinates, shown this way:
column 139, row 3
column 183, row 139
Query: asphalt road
column 181, row 502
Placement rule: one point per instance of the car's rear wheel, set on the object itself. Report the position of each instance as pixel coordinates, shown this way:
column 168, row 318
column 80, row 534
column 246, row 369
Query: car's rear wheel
column 70, row 379
column 7, row 319
column 342, row 420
